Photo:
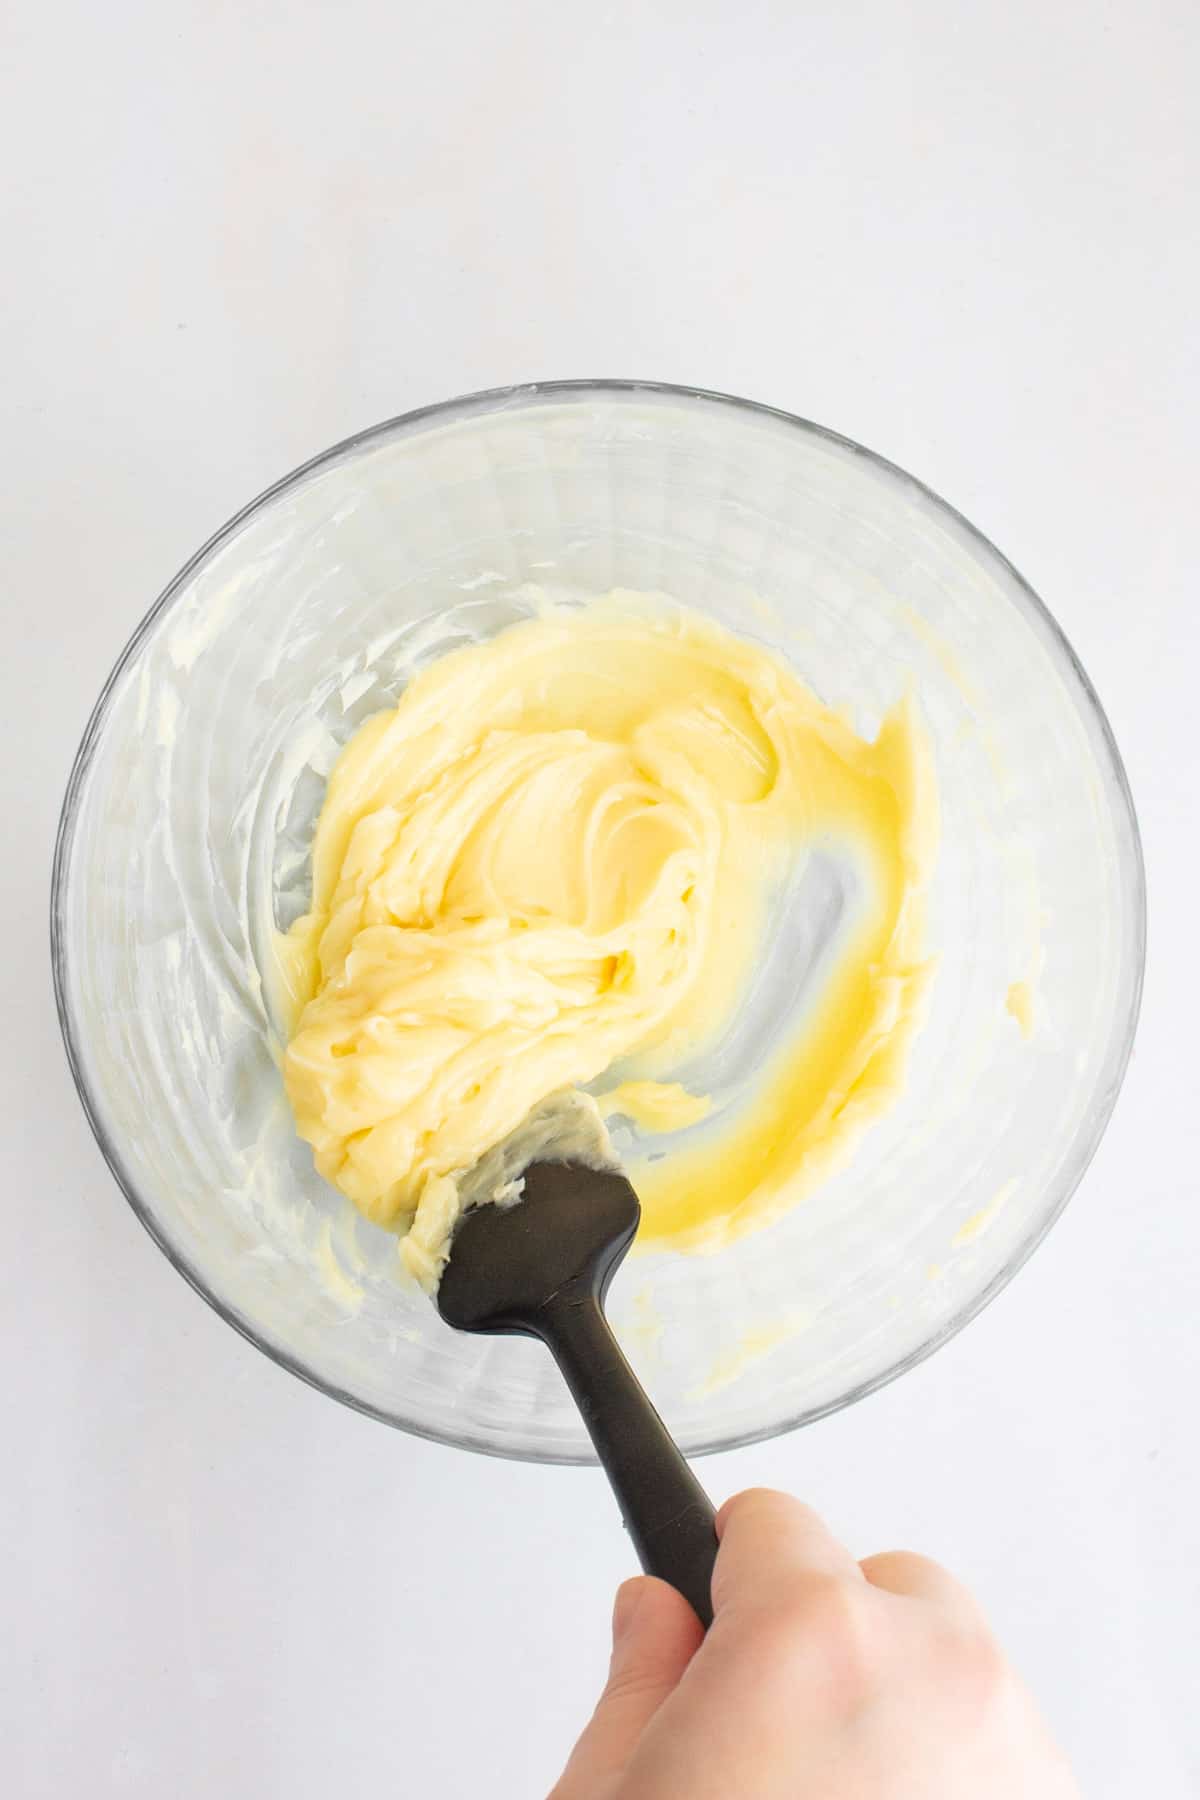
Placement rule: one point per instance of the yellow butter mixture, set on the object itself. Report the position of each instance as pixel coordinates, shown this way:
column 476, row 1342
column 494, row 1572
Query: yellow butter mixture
column 553, row 866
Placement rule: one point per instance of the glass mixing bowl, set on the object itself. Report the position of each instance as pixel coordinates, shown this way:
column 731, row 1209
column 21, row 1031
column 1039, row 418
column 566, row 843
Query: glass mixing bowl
column 183, row 844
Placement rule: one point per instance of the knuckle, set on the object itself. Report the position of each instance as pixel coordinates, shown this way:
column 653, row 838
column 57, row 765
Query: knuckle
column 984, row 1664
column 822, row 1629
column 833, row 1609
column 757, row 1500
column 970, row 1664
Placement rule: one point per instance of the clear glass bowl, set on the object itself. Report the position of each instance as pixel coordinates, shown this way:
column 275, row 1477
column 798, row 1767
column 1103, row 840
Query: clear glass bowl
column 187, row 816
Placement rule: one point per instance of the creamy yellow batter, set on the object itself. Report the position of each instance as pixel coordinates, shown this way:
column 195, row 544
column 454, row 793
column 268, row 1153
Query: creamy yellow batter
column 555, row 858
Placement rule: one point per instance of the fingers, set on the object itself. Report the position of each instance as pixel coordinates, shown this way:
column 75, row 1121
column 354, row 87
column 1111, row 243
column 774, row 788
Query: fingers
column 916, row 1578
column 771, row 1543
column 655, row 1636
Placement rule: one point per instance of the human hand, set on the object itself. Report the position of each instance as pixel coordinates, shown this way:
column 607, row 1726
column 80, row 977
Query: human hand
column 820, row 1679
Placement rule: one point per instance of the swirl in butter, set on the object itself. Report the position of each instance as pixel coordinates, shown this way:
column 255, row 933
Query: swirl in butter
column 556, row 858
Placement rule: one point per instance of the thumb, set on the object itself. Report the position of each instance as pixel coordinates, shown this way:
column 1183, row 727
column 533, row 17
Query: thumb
column 655, row 1636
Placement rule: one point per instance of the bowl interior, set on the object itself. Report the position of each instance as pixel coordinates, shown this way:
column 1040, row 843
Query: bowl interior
column 185, row 839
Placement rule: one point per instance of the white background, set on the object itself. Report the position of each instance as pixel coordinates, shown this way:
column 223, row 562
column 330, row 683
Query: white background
column 964, row 234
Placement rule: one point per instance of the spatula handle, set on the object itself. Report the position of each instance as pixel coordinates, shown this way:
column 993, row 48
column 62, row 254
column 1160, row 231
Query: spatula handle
column 667, row 1513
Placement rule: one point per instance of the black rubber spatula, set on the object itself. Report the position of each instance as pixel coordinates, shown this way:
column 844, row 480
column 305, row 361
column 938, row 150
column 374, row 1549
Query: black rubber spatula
column 541, row 1269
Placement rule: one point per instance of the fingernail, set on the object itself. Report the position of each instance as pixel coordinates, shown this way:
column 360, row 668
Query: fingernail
column 625, row 1605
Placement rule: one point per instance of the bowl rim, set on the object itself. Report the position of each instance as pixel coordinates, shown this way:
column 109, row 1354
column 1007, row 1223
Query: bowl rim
column 518, row 396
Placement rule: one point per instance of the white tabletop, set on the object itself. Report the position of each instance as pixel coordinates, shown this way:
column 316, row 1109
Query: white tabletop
column 962, row 234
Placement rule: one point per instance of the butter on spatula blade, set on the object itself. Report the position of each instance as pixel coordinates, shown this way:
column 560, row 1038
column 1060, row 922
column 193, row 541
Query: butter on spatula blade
column 541, row 1268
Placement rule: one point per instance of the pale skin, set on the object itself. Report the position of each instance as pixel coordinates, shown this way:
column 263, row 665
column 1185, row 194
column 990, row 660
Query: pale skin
column 821, row 1678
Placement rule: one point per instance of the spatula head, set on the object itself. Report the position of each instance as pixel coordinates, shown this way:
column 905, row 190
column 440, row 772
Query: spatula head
column 572, row 1224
